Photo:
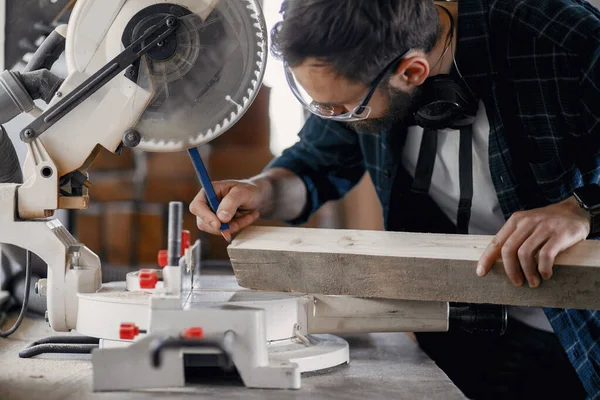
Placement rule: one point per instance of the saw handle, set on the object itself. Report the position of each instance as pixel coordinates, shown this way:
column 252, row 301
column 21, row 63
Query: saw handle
column 157, row 346
column 48, row 52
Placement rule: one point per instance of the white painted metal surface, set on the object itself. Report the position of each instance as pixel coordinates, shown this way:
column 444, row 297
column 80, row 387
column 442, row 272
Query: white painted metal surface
column 264, row 342
column 54, row 244
column 93, row 39
column 273, row 333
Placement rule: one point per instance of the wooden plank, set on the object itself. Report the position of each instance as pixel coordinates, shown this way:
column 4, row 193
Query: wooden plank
column 403, row 266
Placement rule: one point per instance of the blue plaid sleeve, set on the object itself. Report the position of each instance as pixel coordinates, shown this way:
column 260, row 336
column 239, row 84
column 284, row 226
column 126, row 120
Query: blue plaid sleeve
column 328, row 159
column 579, row 333
column 589, row 83
column 579, row 330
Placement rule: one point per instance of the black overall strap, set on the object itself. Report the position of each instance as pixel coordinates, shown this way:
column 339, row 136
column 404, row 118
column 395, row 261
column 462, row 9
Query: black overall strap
column 465, row 175
column 426, row 162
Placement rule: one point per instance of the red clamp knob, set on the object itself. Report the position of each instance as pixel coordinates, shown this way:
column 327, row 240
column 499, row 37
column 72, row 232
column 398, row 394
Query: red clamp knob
column 163, row 258
column 148, row 279
column 163, row 255
column 186, row 240
column 194, row 333
column 128, row 331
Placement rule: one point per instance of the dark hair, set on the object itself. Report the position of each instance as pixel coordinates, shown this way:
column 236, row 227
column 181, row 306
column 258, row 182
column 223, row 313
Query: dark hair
column 357, row 38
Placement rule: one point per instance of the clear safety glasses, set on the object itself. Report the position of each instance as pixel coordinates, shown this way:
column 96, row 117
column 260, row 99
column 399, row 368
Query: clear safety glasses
column 339, row 112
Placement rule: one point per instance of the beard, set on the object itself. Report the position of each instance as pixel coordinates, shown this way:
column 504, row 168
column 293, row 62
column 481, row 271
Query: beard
column 400, row 105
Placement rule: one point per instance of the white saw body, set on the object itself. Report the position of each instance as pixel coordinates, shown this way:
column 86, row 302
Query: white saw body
column 95, row 37
column 270, row 338
column 167, row 76
column 268, row 346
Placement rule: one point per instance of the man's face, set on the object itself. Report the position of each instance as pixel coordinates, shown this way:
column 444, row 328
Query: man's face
column 388, row 105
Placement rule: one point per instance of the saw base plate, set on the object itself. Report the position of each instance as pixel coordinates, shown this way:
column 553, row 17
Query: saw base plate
column 100, row 315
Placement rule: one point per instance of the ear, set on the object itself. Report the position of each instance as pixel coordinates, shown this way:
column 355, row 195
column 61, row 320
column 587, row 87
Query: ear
column 412, row 71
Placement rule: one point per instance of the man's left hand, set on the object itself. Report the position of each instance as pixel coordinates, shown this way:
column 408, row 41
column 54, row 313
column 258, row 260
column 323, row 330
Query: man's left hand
column 541, row 233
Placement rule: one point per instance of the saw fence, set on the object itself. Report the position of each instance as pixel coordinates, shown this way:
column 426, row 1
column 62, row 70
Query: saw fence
column 394, row 265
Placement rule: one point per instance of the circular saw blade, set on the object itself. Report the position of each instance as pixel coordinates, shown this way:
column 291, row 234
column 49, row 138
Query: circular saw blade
column 203, row 78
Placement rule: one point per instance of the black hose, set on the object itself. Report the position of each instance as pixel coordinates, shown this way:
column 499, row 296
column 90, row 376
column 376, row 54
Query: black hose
column 16, row 325
column 40, row 84
column 47, row 54
column 10, row 169
column 60, row 344
column 57, row 348
column 66, row 340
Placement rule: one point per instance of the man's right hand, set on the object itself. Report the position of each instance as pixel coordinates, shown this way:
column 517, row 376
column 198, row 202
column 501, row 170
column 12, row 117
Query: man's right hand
column 276, row 194
column 239, row 204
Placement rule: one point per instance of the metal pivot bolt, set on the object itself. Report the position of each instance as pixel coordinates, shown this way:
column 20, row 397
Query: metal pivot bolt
column 171, row 21
column 28, row 133
column 41, row 287
column 132, row 138
column 174, row 233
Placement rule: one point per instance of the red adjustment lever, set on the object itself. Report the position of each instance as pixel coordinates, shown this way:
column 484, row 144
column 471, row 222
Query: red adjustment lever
column 163, row 258
column 163, row 255
column 186, row 240
column 128, row 331
column 194, row 333
column 148, row 279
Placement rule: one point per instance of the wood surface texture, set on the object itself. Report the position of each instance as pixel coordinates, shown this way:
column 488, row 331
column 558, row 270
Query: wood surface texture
column 409, row 266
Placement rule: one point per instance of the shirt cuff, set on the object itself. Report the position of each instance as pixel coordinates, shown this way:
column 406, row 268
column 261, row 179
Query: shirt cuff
column 311, row 192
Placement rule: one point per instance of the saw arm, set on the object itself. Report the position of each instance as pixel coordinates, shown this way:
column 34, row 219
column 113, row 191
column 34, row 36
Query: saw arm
column 152, row 75
column 141, row 73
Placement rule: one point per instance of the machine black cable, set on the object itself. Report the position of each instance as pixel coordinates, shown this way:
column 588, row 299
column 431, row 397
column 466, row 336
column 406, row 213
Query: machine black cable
column 16, row 325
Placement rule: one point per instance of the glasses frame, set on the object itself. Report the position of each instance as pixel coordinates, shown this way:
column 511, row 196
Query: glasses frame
column 359, row 113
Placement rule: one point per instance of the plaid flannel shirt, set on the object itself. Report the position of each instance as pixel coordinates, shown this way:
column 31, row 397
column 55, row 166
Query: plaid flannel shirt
column 552, row 52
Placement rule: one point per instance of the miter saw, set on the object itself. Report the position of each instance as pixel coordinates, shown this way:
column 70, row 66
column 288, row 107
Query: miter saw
column 164, row 76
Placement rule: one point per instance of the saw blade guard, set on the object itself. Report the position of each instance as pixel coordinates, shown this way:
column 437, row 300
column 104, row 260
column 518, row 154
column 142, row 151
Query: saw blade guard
column 204, row 77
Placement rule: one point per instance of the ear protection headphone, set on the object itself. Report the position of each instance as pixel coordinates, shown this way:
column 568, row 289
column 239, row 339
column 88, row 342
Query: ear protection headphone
column 445, row 102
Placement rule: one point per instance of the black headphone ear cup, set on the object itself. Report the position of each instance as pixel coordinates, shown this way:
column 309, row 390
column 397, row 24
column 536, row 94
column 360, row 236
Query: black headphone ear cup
column 444, row 103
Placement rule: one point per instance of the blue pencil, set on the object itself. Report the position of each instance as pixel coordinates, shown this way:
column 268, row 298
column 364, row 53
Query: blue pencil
column 211, row 196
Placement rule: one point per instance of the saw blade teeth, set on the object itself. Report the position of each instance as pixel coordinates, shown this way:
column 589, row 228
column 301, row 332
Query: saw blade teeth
column 246, row 93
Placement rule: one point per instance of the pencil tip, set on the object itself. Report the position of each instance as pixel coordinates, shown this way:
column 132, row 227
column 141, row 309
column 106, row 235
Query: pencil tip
column 227, row 235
